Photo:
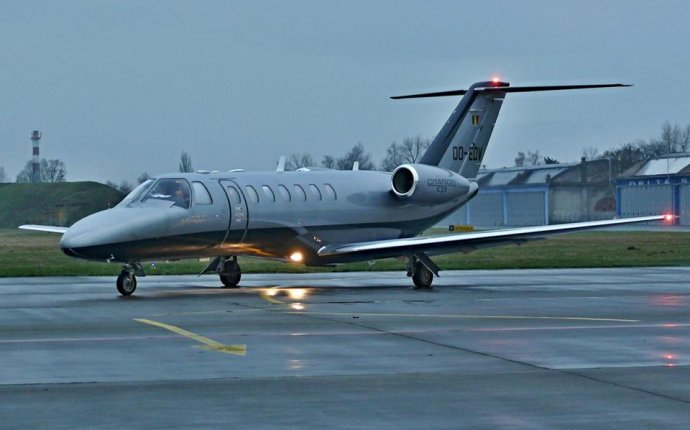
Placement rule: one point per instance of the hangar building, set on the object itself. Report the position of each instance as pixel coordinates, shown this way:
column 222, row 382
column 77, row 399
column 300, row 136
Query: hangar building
column 540, row 195
column 656, row 186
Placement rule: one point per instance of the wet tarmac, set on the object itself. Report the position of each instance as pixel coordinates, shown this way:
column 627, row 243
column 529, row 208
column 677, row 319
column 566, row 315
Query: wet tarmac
column 582, row 348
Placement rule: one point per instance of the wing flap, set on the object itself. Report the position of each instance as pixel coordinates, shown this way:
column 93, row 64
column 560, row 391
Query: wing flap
column 46, row 228
column 469, row 241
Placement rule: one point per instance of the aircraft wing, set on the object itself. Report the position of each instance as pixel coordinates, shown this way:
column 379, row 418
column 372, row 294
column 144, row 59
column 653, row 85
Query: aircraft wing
column 47, row 228
column 466, row 242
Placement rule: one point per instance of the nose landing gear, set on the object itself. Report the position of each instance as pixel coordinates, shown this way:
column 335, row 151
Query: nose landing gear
column 126, row 282
column 230, row 272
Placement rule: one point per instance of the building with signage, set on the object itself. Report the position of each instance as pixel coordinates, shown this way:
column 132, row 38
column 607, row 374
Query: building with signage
column 657, row 186
column 540, row 195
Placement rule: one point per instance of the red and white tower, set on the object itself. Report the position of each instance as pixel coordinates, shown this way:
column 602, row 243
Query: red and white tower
column 36, row 170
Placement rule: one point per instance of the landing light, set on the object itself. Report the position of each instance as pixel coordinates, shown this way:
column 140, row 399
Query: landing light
column 297, row 306
column 297, row 293
column 296, row 257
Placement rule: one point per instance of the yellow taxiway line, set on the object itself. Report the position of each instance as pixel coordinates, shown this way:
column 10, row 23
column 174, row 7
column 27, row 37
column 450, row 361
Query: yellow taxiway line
column 209, row 344
column 267, row 296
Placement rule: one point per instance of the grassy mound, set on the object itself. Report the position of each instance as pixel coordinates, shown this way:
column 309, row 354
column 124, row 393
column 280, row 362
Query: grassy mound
column 61, row 203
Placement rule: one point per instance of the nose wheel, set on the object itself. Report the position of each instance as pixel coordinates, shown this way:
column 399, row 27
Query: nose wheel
column 230, row 272
column 126, row 282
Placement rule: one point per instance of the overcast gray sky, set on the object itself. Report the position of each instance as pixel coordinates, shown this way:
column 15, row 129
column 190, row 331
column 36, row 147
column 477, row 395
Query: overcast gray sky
column 122, row 87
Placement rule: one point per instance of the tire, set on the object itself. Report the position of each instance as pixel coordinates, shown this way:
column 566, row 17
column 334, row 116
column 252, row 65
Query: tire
column 126, row 283
column 422, row 276
column 230, row 278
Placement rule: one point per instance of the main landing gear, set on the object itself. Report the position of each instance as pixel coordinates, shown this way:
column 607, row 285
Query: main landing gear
column 230, row 272
column 421, row 269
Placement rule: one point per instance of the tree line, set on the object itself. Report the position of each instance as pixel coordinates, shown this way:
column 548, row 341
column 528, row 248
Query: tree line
column 672, row 138
column 49, row 171
column 409, row 151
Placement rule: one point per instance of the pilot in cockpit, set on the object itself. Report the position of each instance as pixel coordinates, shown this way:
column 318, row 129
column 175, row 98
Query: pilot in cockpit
column 181, row 195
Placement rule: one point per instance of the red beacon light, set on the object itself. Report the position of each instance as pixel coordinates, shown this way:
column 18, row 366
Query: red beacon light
column 668, row 218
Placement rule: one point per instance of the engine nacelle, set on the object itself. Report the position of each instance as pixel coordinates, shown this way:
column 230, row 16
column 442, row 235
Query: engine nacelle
column 424, row 184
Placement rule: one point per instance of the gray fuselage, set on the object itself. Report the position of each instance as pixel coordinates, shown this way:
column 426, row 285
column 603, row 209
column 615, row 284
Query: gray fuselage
column 315, row 208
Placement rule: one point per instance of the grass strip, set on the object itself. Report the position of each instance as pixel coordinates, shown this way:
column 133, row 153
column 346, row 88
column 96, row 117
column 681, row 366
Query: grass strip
column 25, row 253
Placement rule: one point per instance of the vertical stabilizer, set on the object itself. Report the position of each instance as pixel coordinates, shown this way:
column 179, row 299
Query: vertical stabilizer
column 461, row 144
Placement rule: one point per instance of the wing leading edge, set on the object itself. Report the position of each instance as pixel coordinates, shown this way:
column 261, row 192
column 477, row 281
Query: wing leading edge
column 449, row 243
column 46, row 228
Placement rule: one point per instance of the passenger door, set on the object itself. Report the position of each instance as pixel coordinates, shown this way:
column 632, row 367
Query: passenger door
column 239, row 216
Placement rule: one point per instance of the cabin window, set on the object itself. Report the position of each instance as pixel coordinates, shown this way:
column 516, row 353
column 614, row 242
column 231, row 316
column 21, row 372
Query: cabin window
column 234, row 195
column 253, row 195
column 284, row 192
column 299, row 193
column 315, row 192
column 173, row 190
column 201, row 194
column 330, row 192
column 269, row 193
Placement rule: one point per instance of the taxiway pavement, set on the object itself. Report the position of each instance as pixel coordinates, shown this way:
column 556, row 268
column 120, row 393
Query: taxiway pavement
column 580, row 348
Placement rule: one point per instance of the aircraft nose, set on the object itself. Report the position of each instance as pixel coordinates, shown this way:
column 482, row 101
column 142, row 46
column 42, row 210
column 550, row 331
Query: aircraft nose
column 93, row 237
column 112, row 234
column 77, row 240
column 73, row 240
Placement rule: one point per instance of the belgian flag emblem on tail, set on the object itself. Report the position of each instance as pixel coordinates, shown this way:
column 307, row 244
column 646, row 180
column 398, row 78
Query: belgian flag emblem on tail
column 475, row 119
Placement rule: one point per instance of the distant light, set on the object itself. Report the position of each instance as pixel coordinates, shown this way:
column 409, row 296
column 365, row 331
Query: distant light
column 297, row 293
column 296, row 257
column 297, row 306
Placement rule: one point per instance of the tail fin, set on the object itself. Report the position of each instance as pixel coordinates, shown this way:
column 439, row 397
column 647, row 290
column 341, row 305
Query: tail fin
column 462, row 142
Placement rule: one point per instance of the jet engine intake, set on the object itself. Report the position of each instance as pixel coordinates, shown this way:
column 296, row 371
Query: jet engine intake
column 424, row 184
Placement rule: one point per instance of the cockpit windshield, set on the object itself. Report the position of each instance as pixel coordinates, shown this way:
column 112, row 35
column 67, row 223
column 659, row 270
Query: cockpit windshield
column 136, row 193
column 172, row 190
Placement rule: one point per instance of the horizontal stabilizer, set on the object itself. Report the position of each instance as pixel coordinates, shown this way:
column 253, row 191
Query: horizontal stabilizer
column 46, row 228
column 504, row 88
column 439, row 94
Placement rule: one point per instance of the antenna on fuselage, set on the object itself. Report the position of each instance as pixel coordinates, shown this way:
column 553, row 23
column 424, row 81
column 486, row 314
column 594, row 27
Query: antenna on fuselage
column 281, row 164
